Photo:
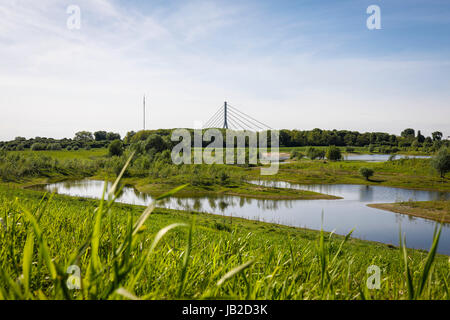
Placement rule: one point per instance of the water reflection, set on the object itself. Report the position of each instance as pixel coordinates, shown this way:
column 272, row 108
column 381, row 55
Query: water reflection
column 340, row 215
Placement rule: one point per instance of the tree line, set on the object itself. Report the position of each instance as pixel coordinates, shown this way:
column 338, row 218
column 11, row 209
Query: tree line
column 388, row 143
column 81, row 140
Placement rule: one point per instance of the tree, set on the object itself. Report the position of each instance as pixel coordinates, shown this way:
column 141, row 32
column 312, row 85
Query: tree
column 100, row 135
column 437, row 144
column 333, row 153
column 437, row 136
column 111, row 136
column 428, row 142
column 312, row 153
column 84, row 136
column 38, row 146
column 285, row 138
column 408, row 133
column 441, row 162
column 155, row 141
column 420, row 137
column 366, row 172
column 128, row 137
column 116, row 148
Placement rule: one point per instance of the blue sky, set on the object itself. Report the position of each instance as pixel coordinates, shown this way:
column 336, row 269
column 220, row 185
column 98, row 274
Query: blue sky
column 291, row 64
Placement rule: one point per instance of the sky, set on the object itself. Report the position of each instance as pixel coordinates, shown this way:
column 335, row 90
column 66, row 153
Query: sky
column 300, row 64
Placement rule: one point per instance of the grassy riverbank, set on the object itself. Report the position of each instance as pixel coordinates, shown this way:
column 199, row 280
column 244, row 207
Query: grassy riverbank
column 159, row 177
column 242, row 189
column 433, row 210
column 222, row 257
column 402, row 173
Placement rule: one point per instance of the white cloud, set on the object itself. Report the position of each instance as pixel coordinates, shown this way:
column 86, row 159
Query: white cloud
column 54, row 82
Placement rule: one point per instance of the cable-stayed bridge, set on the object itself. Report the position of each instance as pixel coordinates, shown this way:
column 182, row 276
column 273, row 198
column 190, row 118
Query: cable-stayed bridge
column 229, row 117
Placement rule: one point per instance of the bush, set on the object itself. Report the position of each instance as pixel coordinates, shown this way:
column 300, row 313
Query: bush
column 349, row 149
column 297, row 155
column 366, row 172
column 314, row 153
column 54, row 147
column 38, row 146
column 156, row 142
column 333, row 153
column 116, row 148
column 441, row 162
column 321, row 154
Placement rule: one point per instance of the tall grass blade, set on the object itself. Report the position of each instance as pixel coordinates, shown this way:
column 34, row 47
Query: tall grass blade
column 187, row 255
column 234, row 272
column 27, row 262
column 429, row 261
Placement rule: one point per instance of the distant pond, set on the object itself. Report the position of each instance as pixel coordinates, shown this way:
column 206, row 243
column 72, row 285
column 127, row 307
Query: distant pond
column 378, row 157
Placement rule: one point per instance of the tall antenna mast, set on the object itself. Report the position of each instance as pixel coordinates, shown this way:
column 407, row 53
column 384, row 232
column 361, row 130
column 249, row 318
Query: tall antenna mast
column 225, row 120
column 144, row 112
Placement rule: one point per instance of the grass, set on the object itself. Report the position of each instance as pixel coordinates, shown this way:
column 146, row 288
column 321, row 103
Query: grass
column 28, row 169
column 403, row 173
column 132, row 252
column 82, row 154
column 232, row 189
column 438, row 210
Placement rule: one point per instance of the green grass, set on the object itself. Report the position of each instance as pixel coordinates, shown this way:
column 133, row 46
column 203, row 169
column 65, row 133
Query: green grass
column 438, row 210
column 82, row 154
column 406, row 173
column 127, row 251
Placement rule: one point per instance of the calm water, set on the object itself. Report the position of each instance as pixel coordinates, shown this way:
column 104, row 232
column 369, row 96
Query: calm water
column 339, row 215
column 378, row 157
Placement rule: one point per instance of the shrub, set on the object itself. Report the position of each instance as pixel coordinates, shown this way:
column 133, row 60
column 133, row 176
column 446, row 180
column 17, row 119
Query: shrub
column 54, row 147
column 297, row 155
column 441, row 162
column 366, row 172
column 333, row 153
column 321, row 154
column 349, row 149
column 224, row 178
column 156, row 142
column 116, row 148
column 38, row 146
column 314, row 153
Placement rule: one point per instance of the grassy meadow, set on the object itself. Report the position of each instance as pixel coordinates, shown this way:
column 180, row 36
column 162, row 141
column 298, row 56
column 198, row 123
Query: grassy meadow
column 167, row 254
column 402, row 173
column 132, row 252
